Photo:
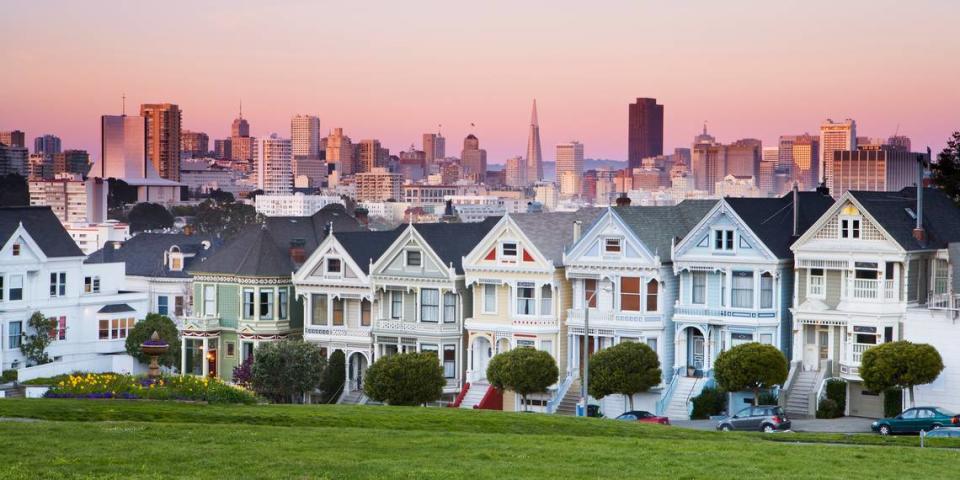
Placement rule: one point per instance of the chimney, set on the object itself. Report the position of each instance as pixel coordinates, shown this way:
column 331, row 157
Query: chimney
column 577, row 230
column 918, row 232
column 362, row 215
column 298, row 254
column 796, row 211
column 623, row 200
column 188, row 230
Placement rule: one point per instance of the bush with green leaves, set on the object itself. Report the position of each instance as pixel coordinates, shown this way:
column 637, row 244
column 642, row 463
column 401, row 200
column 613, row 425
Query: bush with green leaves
column 711, row 401
column 837, row 391
column 524, row 371
column 334, row 376
column 168, row 332
column 769, row 398
column 892, row 402
column 902, row 365
column 627, row 368
column 38, row 338
column 9, row 376
column 284, row 371
column 405, row 379
column 828, row 408
column 750, row 366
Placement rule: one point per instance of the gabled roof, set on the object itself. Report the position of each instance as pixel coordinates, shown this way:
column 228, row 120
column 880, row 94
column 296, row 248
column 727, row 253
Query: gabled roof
column 366, row 247
column 43, row 226
column 452, row 241
column 658, row 227
column 144, row 253
column 771, row 219
column 264, row 250
column 941, row 217
column 552, row 232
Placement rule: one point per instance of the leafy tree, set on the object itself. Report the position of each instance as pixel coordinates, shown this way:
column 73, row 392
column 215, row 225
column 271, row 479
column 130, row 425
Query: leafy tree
column 900, row 365
column 243, row 373
column 226, row 219
column 120, row 193
column 333, row 376
column 168, row 332
column 253, row 195
column 149, row 216
column 405, row 379
column 945, row 172
column 751, row 366
column 34, row 345
column 627, row 368
column 14, row 191
column 524, row 371
column 219, row 196
column 284, row 371
column 711, row 401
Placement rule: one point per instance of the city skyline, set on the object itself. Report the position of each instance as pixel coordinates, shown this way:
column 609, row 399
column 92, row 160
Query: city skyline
column 381, row 90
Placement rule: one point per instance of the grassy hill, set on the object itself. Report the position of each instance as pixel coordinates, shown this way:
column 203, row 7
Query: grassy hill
column 140, row 439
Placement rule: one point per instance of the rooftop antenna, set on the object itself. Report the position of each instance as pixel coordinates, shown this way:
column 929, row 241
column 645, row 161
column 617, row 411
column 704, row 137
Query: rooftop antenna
column 123, row 104
column 439, row 128
column 241, row 108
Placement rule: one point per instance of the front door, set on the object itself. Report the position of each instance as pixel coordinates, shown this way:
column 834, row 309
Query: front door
column 481, row 357
column 358, row 366
column 816, row 346
column 695, row 349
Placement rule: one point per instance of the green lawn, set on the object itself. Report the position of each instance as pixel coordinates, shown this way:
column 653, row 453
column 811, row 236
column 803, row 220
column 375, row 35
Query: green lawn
column 124, row 439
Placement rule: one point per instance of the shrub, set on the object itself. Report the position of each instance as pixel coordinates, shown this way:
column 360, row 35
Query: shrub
column 828, row 408
column 168, row 332
column 8, row 376
column 768, row 398
column 178, row 387
column 405, row 379
column 334, row 376
column 892, row 402
column 243, row 373
column 837, row 391
column 284, row 371
column 524, row 371
column 751, row 366
column 627, row 368
column 711, row 401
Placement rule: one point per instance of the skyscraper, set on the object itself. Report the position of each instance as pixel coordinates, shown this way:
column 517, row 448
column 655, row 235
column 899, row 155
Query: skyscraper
column 340, row 153
column 570, row 167
column 516, row 172
column 123, row 153
column 806, row 165
column 876, row 168
column 708, row 162
column 14, row 138
column 370, row 155
column 47, row 144
column 743, row 158
column 474, row 160
column 434, row 147
column 305, row 135
column 162, row 123
column 274, row 157
column 241, row 145
column 534, row 153
column 194, row 144
column 644, row 131
column 835, row 136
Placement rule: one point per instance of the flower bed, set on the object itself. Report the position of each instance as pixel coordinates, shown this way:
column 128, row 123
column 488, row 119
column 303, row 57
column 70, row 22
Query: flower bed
column 112, row 385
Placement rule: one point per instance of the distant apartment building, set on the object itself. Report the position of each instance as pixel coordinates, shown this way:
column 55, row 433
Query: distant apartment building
column 546, row 193
column 123, row 157
column 71, row 161
column 420, row 195
column 13, row 138
column 340, row 153
column 201, row 176
column 875, row 168
column 47, row 144
column 743, row 157
column 309, row 171
column 734, row 186
column 241, row 144
column 378, row 185
column 515, row 171
column 162, row 124
column 221, row 149
column 14, row 160
column 709, row 165
column 570, row 167
column 295, row 205
column 194, row 144
column 305, row 135
column 371, row 155
column 805, row 152
column 835, row 136
column 274, row 169
column 72, row 199
column 770, row 158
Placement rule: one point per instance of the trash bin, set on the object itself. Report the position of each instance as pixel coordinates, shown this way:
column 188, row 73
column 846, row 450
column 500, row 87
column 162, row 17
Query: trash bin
column 580, row 410
column 593, row 411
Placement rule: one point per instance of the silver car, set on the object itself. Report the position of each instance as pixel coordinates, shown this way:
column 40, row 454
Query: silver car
column 763, row 418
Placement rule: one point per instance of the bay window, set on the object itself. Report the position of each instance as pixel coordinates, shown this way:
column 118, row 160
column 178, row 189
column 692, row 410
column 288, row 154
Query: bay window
column 630, row 294
column 338, row 309
column 653, row 289
column 266, row 304
column 248, row 303
column 450, row 361
column 489, row 298
column 364, row 313
column 396, row 304
column 282, row 303
column 590, row 292
column 526, row 298
column 546, row 300
column 742, row 290
column 209, row 299
column 766, row 290
column 698, row 290
column 429, row 305
column 318, row 303
column 449, row 307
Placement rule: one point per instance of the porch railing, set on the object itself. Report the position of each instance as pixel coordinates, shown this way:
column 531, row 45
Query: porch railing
column 576, row 315
column 857, row 350
column 417, row 327
column 561, row 392
column 944, row 301
column 337, row 331
column 703, row 311
column 668, row 392
column 864, row 289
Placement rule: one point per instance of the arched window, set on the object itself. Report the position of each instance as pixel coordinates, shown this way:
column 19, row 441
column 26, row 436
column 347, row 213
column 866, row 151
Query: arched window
column 653, row 288
column 766, row 290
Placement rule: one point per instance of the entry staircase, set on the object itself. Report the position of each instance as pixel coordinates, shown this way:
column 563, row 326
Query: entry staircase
column 679, row 406
column 568, row 404
column 801, row 390
column 474, row 395
column 355, row 397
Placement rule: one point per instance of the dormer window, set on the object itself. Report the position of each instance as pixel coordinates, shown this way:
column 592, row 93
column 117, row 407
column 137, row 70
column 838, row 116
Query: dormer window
column 850, row 228
column 723, row 240
column 175, row 259
column 91, row 284
column 16, row 250
column 612, row 246
column 413, row 258
column 508, row 251
column 334, row 265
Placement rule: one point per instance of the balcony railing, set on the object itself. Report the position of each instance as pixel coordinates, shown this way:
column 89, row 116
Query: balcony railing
column 202, row 322
column 944, row 301
column 336, row 331
column 531, row 321
column 576, row 315
column 704, row 311
column 399, row 326
column 856, row 352
column 870, row 289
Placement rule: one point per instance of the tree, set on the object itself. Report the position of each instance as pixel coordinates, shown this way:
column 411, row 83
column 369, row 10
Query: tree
column 168, row 332
column 219, row 196
column 149, row 216
column 284, row 371
column 120, row 193
column 405, row 379
column 751, row 366
column 34, row 345
column 334, row 376
column 524, row 371
column 226, row 219
column 14, row 191
column 901, row 365
column 945, row 172
column 627, row 368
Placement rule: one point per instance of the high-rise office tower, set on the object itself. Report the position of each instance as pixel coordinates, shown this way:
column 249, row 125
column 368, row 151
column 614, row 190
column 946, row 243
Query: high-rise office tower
column 770, row 158
column 434, row 147
column 473, row 159
column 708, row 162
column 14, row 138
column 305, row 135
column 274, row 158
column 340, row 153
column 221, row 149
column 240, row 127
column 14, row 160
column 785, row 147
column 534, row 153
column 516, row 172
column 743, row 158
column 835, row 136
column 162, row 123
column 806, row 161
column 123, row 148
column 899, row 141
column 241, row 144
column 71, row 161
column 570, row 167
column 877, row 168
column 370, row 155
column 644, row 131
column 47, row 144
column 194, row 144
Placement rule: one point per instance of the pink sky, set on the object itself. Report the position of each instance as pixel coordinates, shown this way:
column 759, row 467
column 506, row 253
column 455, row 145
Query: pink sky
column 393, row 71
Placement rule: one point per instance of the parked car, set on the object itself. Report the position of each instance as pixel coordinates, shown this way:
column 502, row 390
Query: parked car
column 944, row 432
column 643, row 417
column 913, row 420
column 765, row 418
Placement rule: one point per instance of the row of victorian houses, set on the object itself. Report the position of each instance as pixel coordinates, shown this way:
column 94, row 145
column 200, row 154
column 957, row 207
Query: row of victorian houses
column 821, row 280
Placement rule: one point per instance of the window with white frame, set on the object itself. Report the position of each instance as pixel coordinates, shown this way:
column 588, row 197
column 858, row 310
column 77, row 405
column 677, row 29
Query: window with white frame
column 815, row 283
column 176, row 261
column 723, row 288
column 163, row 304
column 652, row 343
column 546, row 300
column 396, row 304
column 16, row 249
column 413, row 258
column 249, row 303
column 741, row 292
column 850, row 227
column 740, row 339
column 59, row 330
column 630, row 294
column 612, row 246
column 16, row 287
column 430, row 305
column 58, row 284
column 653, row 291
column 91, row 284
column 766, row 338
column 266, row 304
column 14, row 334
column 766, row 290
column 509, row 251
column 334, row 266
column 364, row 313
column 526, row 299
column 116, row 328
column 450, row 361
column 698, row 289
column 318, row 302
column 1, row 288
column 723, row 240
column 546, row 346
column 339, row 310
column 209, row 299
column 449, row 307
column 489, row 298
column 590, row 292
column 283, row 296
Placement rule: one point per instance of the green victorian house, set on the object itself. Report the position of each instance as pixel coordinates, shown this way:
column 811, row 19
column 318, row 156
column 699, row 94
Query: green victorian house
column 243, row 295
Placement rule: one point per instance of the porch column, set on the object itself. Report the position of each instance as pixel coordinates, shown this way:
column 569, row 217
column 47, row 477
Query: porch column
column 183, row 355
column 204, row 361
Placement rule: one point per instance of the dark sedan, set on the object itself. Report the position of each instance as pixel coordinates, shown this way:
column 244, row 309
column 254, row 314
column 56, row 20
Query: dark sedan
column 643, row 417
column 913, row 420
